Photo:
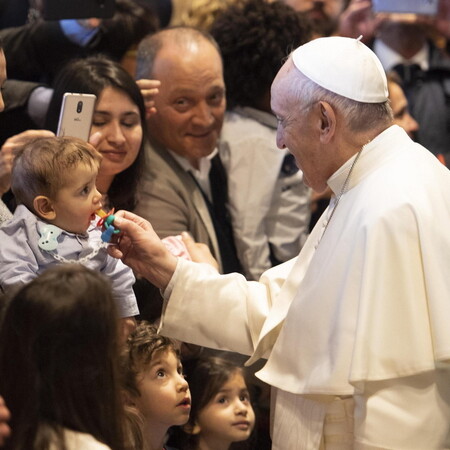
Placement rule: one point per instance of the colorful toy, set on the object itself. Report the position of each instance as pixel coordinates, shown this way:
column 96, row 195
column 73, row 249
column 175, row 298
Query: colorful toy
column 106, row 222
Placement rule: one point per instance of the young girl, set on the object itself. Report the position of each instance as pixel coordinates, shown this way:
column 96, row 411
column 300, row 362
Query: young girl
column 154, row 385
column 58, row 363
column 221, row 411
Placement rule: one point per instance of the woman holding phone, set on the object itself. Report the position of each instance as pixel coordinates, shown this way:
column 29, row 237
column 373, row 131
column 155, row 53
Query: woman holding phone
column 118, row 126
column 119, row 116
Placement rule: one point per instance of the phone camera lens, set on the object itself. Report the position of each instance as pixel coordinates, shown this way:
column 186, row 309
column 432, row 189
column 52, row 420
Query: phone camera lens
column 79, row 106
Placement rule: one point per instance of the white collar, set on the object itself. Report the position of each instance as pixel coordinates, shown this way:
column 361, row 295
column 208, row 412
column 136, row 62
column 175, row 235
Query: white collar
column 202, row 173
column 390, row 58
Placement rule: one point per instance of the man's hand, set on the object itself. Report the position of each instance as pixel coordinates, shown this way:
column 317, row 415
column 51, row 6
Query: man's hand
column 149, row 89
column 139, row 247
column 5, row 431
column 358, row 19
column 9, row 151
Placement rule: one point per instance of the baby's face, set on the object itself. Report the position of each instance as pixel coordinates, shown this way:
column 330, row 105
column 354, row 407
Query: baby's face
column 77, row 201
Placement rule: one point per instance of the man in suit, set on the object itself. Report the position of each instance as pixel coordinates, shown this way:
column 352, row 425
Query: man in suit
column 177, row 194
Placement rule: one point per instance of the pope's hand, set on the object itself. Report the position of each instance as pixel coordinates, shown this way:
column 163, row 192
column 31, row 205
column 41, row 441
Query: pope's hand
column 139, row 247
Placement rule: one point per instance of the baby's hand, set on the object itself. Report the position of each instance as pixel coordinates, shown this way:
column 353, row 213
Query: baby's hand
column 176, row 246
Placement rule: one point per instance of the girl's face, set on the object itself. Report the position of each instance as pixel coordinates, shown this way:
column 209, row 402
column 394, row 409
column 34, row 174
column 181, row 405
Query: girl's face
column 119, row 121
column 229, row 416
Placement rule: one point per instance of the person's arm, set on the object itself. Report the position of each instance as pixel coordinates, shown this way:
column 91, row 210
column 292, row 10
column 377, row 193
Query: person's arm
column 18, row 263
column 9, row 150
column 122, row 281
column 358, row 19
column 5, row 431
column 204, row 307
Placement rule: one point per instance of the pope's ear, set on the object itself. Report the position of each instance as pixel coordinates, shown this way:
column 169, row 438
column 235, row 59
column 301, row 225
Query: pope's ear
column 327, row 121
column 44, row 207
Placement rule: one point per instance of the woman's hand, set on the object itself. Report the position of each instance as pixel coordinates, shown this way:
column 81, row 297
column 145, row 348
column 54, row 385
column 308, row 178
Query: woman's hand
column 5, row 431
column 9, row 151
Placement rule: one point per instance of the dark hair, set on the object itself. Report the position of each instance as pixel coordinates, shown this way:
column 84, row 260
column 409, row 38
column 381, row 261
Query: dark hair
column 142, row 344
column 91, row 76
column 58, row 360
column 255, row 39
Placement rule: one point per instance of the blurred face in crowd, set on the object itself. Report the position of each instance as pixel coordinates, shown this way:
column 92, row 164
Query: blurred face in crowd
column 191, row 100
column 399, row 106
column 323, row 13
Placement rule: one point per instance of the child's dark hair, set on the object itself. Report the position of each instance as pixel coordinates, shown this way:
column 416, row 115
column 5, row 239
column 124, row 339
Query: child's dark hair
column 58, row 360
column 141, row 346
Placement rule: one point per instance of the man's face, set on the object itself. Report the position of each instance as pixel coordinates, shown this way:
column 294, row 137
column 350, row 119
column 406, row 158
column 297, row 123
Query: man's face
column 297, row 128
column 323, row 13
column 191, row 100
column 2, row 77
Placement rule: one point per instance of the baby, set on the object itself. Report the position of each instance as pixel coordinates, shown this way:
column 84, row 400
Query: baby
column 53, row 181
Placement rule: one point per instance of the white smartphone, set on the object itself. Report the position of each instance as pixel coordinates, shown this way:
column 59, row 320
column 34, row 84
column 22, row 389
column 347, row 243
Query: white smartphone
column 75, row 118
column 426, row 7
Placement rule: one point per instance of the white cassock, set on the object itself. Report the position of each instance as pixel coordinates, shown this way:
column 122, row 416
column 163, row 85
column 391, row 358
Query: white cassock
column 361, row 315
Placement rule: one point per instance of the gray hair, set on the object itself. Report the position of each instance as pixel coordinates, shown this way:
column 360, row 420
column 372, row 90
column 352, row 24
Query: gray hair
column 359, row 116
column 179, row 36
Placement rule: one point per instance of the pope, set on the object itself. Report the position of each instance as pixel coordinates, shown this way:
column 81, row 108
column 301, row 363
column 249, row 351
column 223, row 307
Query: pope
column 355, row 329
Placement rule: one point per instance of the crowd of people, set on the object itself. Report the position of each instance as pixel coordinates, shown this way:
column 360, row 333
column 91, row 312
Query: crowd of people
column 273, row 176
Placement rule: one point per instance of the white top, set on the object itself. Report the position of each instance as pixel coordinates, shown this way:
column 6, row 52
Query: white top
column 377, row 286
column 370, row 305
column 390, row 58
column 269, row 203
column 77, row 441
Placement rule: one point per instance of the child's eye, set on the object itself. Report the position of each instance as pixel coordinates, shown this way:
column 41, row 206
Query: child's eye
column 221, row 400
column 160, row 373
column 85, row 190
column 244, row 398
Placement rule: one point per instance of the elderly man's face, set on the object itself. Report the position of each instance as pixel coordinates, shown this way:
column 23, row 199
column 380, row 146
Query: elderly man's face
column 191, row 100
column 323, row 13
column 297, row 128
